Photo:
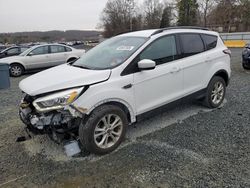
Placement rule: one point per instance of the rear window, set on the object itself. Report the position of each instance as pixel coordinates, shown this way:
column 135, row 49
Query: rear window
column 210, row 41
column 68, row 49
column 191, row 44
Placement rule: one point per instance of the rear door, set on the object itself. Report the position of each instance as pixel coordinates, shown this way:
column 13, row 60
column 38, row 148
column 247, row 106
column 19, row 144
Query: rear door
column 194, row 62
column 57, row 55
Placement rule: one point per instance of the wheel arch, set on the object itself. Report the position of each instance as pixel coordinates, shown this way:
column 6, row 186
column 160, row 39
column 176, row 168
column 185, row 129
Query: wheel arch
column 121, row 104
column 223, row 74
column 72, row 58
column 18, row 63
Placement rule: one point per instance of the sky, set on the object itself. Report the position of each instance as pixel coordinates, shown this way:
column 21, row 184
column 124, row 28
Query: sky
column 45, row 15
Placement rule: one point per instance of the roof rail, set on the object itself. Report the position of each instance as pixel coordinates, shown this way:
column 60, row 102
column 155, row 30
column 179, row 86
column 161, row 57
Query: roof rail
column 179, row 27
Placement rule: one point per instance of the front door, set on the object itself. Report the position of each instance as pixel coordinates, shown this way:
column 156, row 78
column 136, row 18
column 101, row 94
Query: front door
column 37, row 58
column 164, row 84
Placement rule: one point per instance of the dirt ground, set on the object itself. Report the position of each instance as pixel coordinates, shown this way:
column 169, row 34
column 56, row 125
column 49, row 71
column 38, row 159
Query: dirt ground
column 188, row 146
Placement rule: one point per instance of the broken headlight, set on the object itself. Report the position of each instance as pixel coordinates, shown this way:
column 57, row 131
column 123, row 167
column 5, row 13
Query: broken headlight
column 57, row 101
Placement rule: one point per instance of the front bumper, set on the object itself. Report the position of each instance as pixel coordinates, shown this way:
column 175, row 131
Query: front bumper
column 60, row 125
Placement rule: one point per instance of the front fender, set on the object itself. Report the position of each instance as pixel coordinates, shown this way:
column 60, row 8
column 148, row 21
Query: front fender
column 106, row 92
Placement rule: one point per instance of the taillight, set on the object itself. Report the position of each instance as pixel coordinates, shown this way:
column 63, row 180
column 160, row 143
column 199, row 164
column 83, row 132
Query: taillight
column 228, row 52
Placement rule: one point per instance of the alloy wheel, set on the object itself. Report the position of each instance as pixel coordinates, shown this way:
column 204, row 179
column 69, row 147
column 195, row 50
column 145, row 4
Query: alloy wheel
column 108, row 131
column 217, row 93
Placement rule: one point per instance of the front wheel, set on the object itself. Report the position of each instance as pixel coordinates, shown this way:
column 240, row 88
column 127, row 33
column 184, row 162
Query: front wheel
column 104, row 130
column 216, row 91
column 16, row 70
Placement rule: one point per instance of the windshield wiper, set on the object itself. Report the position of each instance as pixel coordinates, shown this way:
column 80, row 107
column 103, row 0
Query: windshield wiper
column 80, row 66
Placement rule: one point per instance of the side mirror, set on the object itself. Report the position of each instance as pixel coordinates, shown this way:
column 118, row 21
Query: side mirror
column 146, row 64
column 30, row 54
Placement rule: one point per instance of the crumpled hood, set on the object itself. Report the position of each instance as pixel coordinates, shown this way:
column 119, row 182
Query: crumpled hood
column 61, row 77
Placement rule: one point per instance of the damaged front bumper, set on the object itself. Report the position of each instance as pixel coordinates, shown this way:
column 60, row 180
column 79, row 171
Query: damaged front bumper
column 61, row 125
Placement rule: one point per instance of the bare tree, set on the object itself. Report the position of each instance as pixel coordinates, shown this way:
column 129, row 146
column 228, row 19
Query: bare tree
column 153, row 10
column 226, row 14
column 118, row 17
column 206, row 6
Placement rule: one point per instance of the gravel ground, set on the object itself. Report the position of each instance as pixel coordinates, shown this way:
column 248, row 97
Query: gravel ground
column 189, row 146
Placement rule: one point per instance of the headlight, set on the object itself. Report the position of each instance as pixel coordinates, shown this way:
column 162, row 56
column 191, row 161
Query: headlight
column 57, row 101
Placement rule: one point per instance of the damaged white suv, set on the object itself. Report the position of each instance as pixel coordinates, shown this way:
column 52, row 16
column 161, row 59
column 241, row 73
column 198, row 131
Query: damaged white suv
column 95, row 98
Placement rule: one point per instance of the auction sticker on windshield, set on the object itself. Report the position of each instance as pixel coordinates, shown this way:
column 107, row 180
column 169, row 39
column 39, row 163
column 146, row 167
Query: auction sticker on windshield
column 125, row 48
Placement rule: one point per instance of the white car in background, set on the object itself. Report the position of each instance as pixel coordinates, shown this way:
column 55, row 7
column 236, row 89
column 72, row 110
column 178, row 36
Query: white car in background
column 41, row 57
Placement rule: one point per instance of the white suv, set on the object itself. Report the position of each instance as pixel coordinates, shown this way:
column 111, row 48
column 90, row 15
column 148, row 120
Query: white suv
column 94, row 99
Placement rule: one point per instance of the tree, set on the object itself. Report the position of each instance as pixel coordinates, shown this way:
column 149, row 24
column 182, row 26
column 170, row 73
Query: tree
column 118, row 17
column 166, row 17
column 153, row 10
column 187, row 10
column 206, row 6
column 225, row 14
column 245, row 15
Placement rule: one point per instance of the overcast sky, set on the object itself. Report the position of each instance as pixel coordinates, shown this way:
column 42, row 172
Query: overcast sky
column 44, row 15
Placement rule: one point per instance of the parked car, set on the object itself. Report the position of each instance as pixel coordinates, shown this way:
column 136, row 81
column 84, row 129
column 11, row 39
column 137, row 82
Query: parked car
column 41, row 57
column 13, row 51
column 122, row 80
column 246, row 57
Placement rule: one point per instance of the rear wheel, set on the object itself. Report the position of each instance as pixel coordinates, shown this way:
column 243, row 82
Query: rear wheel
column 16, row 70
column 215, row 92
column 104, row 130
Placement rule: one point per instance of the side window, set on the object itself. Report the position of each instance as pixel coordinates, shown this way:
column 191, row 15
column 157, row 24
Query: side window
column 57, row 49
column 12, row 51
column 68, row 49
column 162, row 50
column 40, row 50
column 191, row 44
column 210, row 41
column 22, row 49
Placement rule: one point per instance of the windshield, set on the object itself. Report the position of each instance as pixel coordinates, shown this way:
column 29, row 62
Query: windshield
column 111, row 53
column 25, row 52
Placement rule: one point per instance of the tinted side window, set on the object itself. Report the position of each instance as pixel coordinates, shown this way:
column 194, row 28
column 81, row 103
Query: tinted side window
column 57, row 49
column 191, row 44
column 161, row 51
column 68, row 49
column 13, row 51
column 40, row 50
column 210, row 41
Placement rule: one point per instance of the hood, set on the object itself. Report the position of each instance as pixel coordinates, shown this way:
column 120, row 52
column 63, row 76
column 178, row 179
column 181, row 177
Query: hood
column 61, row 77
column 11, row 59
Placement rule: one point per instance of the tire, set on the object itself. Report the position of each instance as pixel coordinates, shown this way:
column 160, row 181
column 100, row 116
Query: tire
column 16, row 70
column 245, row 67
column 98, row 138
column 215, row 93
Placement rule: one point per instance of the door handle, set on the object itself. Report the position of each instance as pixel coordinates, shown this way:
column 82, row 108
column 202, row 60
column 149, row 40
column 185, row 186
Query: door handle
column 175, row 69
column 127, row 86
